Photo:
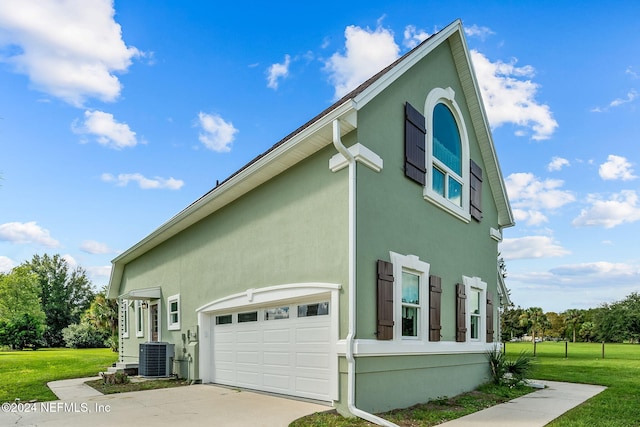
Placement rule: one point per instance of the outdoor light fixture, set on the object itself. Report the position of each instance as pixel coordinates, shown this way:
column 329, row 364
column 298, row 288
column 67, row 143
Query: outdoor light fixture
column 144, row 305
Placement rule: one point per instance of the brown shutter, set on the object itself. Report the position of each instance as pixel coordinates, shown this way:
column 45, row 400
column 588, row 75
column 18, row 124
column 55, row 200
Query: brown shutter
column 414, row 145
column 461, row 313
column 489, row 317
column 385, row 300
column 435, row 297
column 475, row 202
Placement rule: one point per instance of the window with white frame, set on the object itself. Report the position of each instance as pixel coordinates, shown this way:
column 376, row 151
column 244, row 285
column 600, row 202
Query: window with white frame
column 447, row 152
column 139, row 319
column 410, row 318
column 474, row 313
column 124, row 318
column 410, row 303
column 173, row 312
column 476, row 291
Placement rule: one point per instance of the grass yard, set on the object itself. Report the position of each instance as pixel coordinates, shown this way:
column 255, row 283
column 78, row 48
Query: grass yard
column 426, row 414
column 24, row 374
column 618, row 406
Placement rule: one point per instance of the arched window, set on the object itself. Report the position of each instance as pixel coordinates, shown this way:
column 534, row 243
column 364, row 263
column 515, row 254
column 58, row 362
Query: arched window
column 447, row 155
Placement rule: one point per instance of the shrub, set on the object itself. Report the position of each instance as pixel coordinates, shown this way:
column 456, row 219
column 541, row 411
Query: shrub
column 114, row 378
column 24, row 331
column 113, row 343
column 83, row 335
column 506, row 371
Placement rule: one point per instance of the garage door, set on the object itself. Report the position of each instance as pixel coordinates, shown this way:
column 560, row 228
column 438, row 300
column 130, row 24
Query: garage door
column 281, row 349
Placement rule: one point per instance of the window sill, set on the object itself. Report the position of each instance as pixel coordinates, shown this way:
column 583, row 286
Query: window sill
column 404, row 348
column 174, row 327
column 446, row 205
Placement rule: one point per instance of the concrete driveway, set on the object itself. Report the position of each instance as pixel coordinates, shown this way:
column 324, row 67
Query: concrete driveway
column 180, row 406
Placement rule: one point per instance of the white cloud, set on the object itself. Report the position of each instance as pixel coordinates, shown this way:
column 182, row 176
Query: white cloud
column 68, row 48
column 616, row 167
column 557, row 163
column 631, row 96
column 156, row 183
column 278, row 71
column 93, row 247
column 366, row 53
column 6, row 264
column 574, row 285
column 621, row 208
column 217, row 134
column 527, row 190
column 601, row 269
column 476, row 31
column 413, row 37
column 509, row 96
column 529, row 195
column 632, row 73
column 530, row 217
column 27, row 232
column 99, row 274
column 71, row 261
column 531, row 247
column 107, row 131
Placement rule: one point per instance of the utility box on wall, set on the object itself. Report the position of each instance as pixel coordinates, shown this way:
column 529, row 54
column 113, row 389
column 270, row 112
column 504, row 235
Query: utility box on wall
column 155, row 359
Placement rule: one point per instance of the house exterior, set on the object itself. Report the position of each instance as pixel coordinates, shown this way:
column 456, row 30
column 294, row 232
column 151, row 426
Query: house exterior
column 355, row 262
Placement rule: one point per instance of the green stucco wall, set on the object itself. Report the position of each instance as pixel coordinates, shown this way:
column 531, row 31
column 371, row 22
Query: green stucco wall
column 291, row 229
column 392, row 214
column 418, row 379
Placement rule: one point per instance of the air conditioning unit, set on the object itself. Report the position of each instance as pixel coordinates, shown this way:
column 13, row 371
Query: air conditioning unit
column 155, row 359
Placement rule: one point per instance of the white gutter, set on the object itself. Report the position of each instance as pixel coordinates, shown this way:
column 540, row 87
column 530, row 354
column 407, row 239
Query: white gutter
column 351, row 362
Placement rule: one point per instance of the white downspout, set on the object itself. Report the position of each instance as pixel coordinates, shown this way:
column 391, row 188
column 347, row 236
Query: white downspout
column 351, row 362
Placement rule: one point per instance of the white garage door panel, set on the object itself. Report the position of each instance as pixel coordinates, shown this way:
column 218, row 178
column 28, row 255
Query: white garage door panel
column 309, row 387
column 276, row 359
column 288, row 356
column 311, row 334
column 250, row 358
column 276, row 336
column 313, row 360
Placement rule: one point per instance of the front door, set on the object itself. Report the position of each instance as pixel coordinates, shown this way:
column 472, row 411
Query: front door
column 155, row 321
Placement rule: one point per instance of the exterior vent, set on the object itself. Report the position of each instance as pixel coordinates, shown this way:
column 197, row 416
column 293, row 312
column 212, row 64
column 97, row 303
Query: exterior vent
column 155, row 359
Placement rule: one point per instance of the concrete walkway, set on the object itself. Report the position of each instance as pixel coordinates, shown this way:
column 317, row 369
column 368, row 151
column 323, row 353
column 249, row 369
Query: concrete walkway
column 194, row 405
column 535, row 409
column 81, row 405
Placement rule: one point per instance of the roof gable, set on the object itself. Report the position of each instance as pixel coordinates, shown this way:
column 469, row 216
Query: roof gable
column 317, row 133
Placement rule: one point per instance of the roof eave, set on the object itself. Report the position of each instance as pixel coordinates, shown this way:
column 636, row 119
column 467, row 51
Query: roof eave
column 313, row 137
column 480, row 123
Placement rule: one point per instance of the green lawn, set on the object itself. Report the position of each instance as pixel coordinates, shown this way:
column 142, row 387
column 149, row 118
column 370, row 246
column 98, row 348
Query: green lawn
column 24, row 374
column 618, row 406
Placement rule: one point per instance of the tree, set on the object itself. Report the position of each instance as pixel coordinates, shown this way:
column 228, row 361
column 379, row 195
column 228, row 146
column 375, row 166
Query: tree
column 557, row 326
column 610, row 323
column 571, row 318
column 535, row 320
column 619, row 321
column 632, row 305
column 19, row 294
column 511, row 327
column 22, row 321
column 64, row 294
column 103, row 313
column 587, row 331
column 23, row 331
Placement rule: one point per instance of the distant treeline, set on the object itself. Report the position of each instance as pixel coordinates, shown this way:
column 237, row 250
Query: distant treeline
column 615, row 322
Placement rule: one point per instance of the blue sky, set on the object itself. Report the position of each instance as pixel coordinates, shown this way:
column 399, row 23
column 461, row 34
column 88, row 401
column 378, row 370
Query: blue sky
column 116, row 116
